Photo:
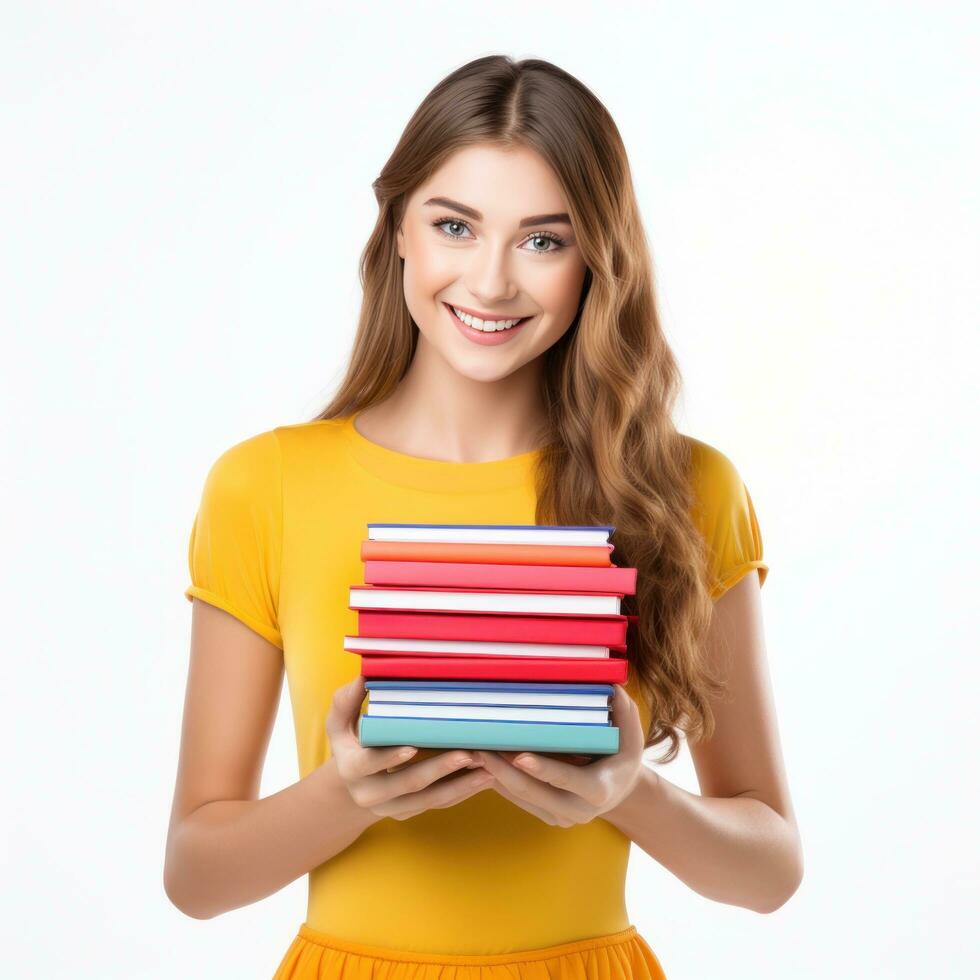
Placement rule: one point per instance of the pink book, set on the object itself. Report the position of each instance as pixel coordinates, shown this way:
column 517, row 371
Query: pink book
column 536, row 578
column 590, row 670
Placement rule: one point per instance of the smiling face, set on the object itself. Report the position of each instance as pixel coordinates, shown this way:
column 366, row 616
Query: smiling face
column 485, row 235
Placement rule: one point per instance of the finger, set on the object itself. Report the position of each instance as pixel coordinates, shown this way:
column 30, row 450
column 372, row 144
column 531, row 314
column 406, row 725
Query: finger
column 579, row 781
column 345, row 707
column 535, row 811
column 527, row 787
column 342, row 736
column 625, row 715
column 418, row 776
column 445, row 793
column 464, row 786
column 371, row 759
column 561, row 775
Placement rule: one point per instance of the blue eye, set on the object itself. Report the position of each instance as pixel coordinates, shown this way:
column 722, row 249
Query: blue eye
column 449, row 221
column 559, row 242
column 547, row 236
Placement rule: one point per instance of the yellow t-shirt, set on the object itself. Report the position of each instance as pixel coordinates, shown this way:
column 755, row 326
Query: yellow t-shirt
column 276, row 543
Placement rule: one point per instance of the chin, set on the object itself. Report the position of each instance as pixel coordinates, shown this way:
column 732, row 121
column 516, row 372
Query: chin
column 477, row 371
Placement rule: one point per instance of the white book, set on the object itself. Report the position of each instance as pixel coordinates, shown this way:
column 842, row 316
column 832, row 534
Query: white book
column 392, row 644
column 526, row 699
column 530, row 603
column 449, row 712
column 559, row 534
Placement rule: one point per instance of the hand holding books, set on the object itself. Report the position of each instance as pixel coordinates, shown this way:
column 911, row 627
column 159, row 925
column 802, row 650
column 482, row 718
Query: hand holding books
column 432, row 784
column 564, row 796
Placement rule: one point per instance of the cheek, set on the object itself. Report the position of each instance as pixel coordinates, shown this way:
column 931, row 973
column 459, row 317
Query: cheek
column 558, row 293
column 428, row 268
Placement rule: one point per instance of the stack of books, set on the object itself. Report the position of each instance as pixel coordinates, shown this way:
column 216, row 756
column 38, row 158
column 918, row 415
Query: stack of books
column 491, row 636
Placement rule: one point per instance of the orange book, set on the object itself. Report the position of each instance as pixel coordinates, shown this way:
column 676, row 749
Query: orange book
column 507, row 554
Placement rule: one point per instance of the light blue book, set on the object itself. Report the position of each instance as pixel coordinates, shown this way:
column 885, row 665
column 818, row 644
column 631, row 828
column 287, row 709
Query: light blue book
column 494, row 736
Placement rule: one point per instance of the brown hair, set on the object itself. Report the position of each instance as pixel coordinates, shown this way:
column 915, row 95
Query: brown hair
column 612, row 453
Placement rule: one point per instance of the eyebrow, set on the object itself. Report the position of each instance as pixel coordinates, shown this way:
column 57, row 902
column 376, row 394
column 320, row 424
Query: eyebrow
column 534, row 219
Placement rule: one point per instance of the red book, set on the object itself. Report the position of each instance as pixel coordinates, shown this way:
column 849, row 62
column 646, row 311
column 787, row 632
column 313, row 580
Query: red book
column 603, row 631
column 585, row 670
column 535, row 578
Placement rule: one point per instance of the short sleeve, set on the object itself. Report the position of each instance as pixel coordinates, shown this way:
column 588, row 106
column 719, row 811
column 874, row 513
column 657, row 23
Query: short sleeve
column 235, row 549
column 726, row 516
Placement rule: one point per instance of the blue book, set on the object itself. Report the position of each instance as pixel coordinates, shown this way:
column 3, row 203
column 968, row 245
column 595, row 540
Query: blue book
column 442, row 700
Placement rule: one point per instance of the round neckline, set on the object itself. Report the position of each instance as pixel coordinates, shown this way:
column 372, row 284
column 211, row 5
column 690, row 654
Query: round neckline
column 422, row 473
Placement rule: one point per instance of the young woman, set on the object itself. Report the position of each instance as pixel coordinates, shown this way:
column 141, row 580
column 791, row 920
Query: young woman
column 508, row 198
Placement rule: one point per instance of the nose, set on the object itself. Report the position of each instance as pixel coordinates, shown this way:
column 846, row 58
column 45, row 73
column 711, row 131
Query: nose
column 489, row 278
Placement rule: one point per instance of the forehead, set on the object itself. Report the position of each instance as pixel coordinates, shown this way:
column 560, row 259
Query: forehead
column 502, row 184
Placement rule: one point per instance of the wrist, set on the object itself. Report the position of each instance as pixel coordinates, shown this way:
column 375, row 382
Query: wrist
column 333, row 796
column 641, row 804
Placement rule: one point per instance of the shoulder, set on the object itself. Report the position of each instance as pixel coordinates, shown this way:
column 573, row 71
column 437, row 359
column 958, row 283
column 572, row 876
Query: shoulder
column 315, row 440
column 248, row 464
column 723, row 511
column 274, row 449
column 714, row 477
column 260, row 465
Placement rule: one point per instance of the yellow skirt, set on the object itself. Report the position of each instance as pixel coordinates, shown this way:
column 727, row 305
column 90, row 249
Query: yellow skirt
column 624, row 955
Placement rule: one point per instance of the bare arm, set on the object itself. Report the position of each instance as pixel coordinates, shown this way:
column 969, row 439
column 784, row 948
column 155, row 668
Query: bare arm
column 225, row 847
column 737, row 843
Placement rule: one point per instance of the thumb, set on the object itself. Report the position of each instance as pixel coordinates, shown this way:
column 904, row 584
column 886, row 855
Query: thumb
column 626, row 717
column 346, row 704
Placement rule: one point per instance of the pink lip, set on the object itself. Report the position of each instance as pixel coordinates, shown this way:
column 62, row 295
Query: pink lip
column 478, row 336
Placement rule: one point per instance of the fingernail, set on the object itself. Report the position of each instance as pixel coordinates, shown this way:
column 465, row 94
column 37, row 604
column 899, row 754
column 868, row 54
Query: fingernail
column 406, row 753
column 526, row 761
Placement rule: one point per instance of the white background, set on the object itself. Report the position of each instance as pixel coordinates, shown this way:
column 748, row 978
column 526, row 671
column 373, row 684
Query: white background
column 185, row 193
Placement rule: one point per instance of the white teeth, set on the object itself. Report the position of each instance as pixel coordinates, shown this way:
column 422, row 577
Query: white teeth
column 487, row 326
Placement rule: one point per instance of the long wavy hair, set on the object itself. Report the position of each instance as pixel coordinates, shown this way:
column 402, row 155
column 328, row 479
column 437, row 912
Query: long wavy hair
column 612, row 454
